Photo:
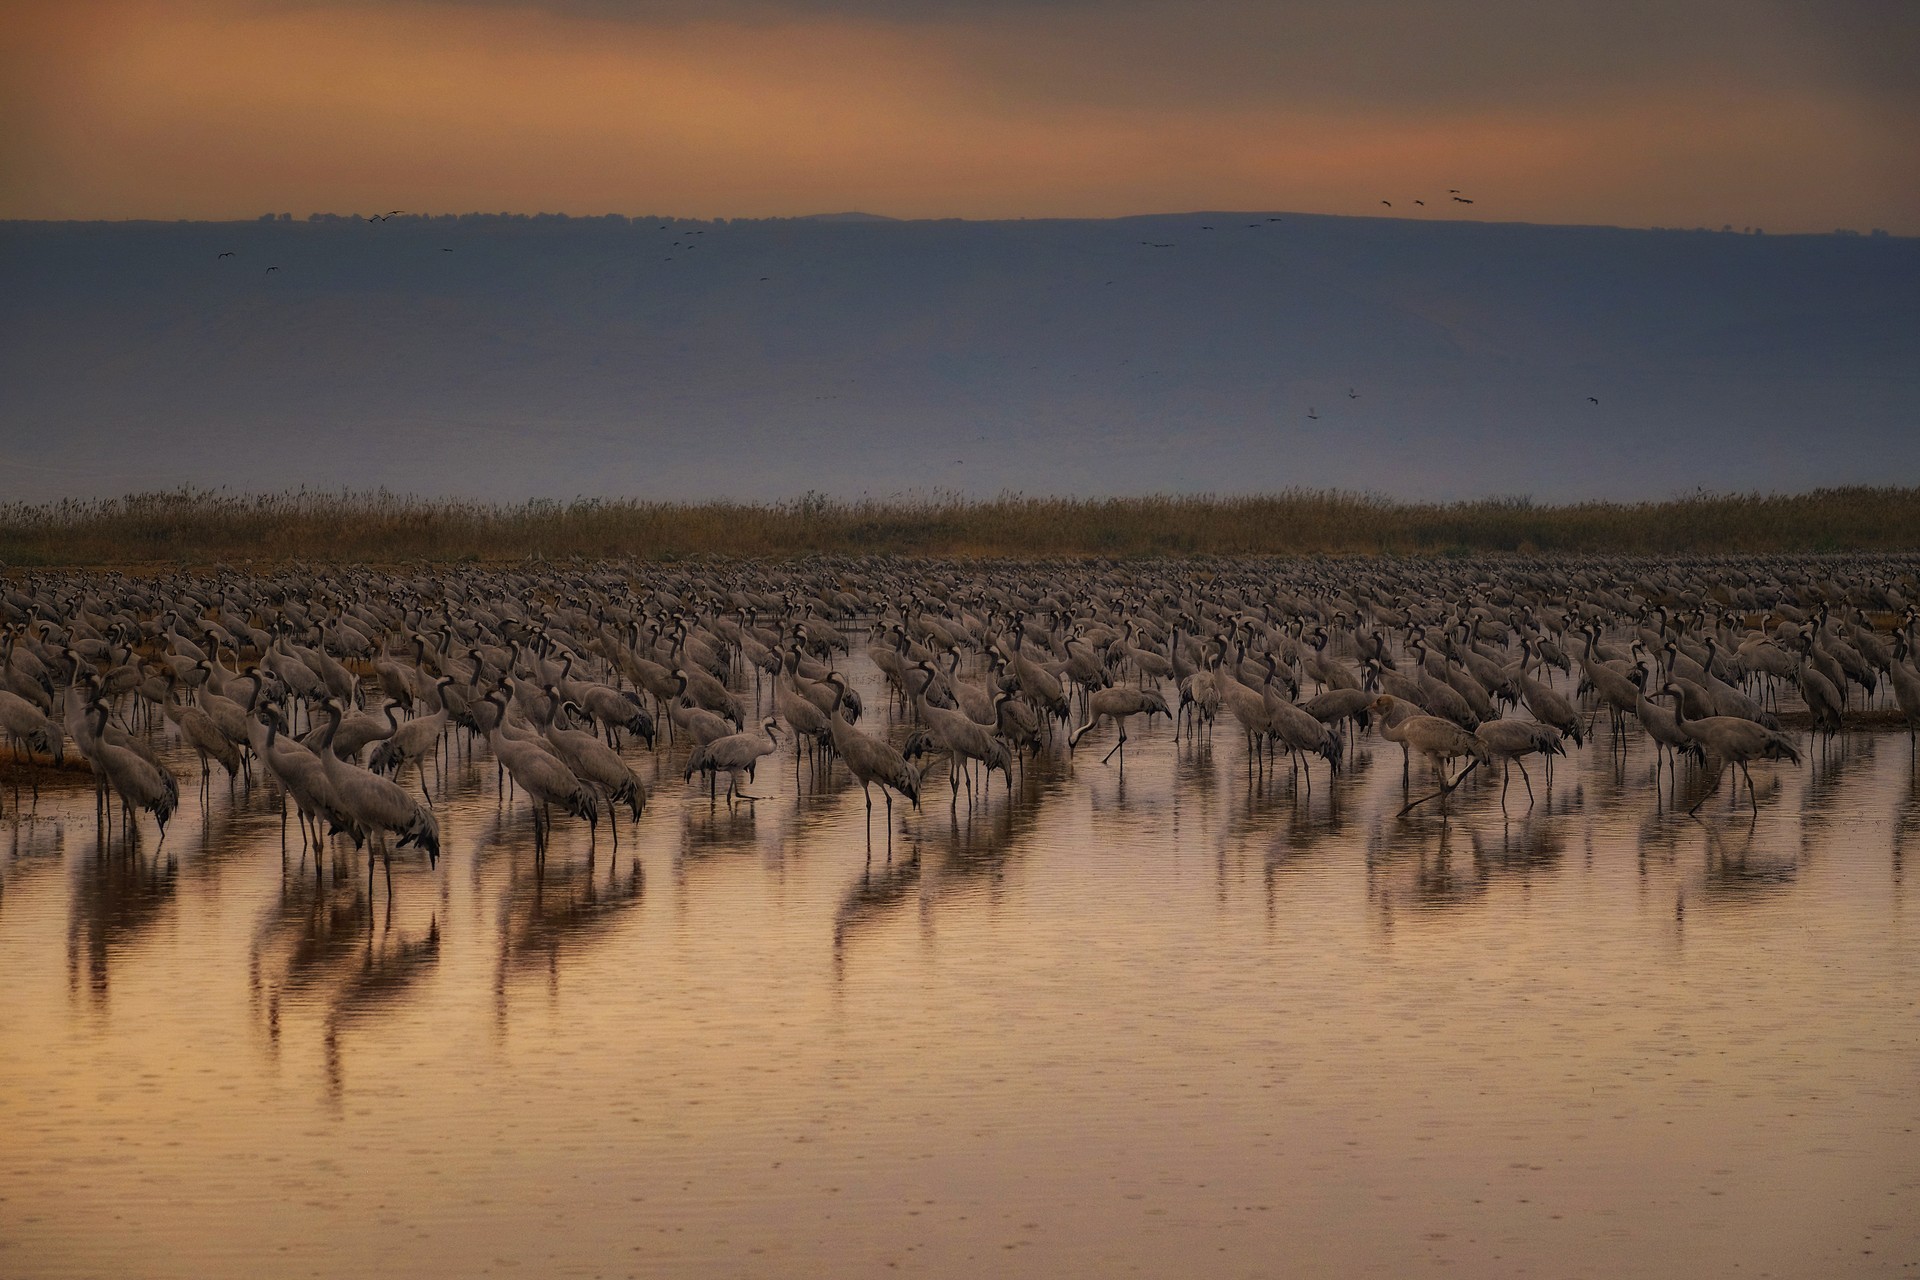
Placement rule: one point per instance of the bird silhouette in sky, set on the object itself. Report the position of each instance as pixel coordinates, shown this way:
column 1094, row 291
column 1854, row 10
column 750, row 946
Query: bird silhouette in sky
column 446, row 251
column 1312, row 416
column 1352, row 394
column 1461, row 200
column 1420, row 202
column 1593, row 399
column 271, row 270
column 227, row 254
column 1387, row 203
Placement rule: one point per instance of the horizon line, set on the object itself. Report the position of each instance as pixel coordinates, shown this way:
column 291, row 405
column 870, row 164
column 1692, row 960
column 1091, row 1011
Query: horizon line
column 868, row 218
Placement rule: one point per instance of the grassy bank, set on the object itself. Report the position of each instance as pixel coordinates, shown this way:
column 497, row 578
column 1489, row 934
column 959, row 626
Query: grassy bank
column 200, row 527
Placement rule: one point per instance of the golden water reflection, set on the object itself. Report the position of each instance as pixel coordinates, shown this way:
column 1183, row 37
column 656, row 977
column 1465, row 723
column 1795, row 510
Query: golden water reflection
column 1172, row 1018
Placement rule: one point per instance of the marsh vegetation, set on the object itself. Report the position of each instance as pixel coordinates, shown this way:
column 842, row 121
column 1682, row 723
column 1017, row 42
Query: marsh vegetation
column 196, row 526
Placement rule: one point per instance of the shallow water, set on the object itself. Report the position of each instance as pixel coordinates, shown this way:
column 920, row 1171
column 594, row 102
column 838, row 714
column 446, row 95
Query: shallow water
column 1163, row 1020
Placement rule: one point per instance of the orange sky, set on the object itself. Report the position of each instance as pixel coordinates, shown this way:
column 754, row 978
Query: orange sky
column 1786, row 116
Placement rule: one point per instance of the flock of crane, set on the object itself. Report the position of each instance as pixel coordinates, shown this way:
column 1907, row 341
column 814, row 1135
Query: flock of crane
column 341, row 686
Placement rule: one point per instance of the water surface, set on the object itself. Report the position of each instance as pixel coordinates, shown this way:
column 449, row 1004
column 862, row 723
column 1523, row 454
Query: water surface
column 1164, row 1020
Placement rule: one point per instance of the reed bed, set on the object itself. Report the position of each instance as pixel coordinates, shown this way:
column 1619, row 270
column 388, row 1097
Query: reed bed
column 194, row 526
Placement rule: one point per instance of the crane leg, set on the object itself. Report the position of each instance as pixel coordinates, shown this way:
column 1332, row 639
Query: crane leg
column 1709, row 791
column 1411, row 805
column 1446, row 789
column 1529, row 781
column 1119, row 746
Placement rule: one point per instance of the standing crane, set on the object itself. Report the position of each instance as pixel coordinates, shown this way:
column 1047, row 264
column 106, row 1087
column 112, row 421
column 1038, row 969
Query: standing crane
column 139, row 783
column 1734, row 741
column 1116, row 704
column 376, row 806
column 1440, row 741
column 734, row 755
column 871, row 760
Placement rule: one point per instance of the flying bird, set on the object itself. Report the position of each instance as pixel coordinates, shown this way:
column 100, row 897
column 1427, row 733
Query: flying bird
column 1312, row 416
column 1352, row 394
column 1593, row 399
column 1420, row 202
column 1461, row 200
column 227, row 254
column 271, row 270
column 1387, row 203
column 444, row 250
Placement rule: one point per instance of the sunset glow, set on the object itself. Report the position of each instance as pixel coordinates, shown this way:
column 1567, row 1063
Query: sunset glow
column 228, row 109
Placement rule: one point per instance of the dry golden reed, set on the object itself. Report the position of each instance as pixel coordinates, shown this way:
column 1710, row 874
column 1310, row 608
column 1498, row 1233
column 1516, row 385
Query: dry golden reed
column 202, row 526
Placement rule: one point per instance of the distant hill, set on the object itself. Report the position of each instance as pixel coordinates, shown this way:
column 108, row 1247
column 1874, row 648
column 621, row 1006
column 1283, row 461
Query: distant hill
column 505, row 357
